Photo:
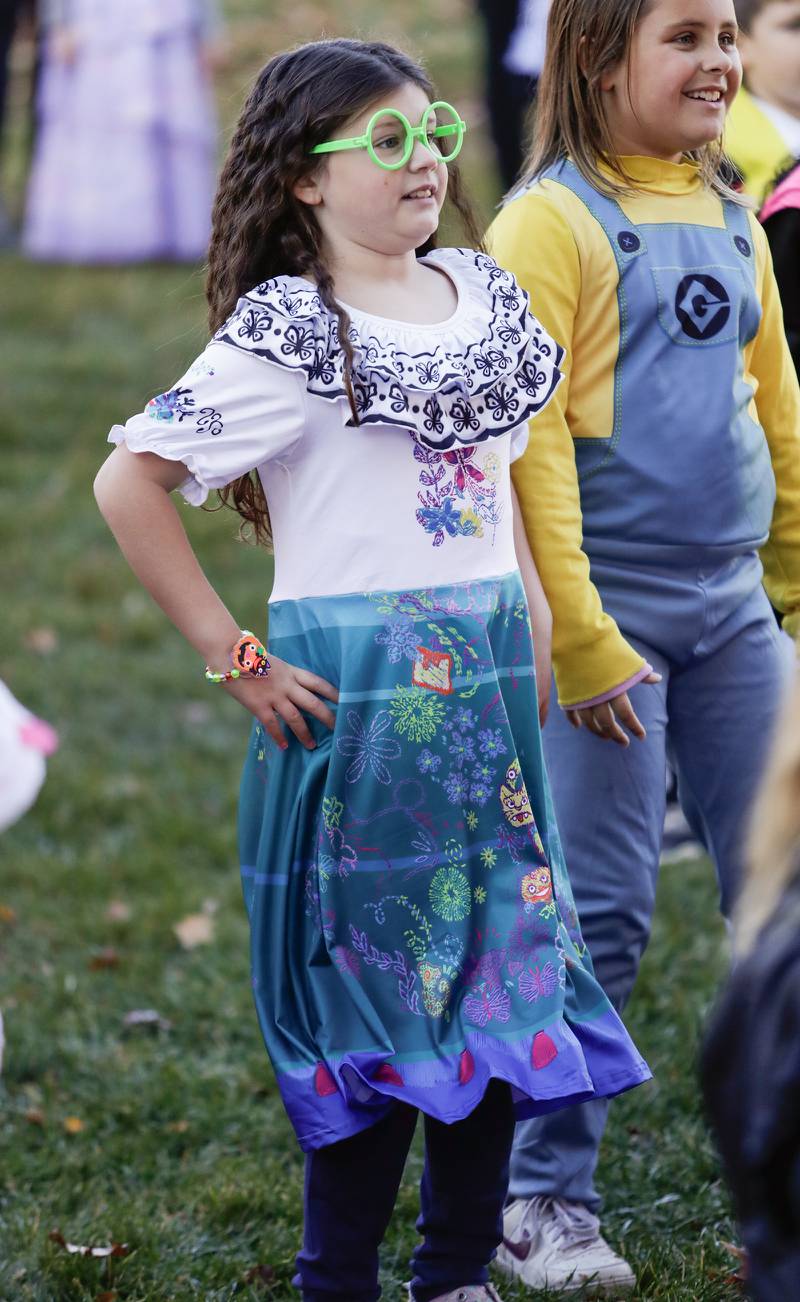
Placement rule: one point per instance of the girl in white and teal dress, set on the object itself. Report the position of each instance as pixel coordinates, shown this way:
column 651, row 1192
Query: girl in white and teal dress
column 414, row 941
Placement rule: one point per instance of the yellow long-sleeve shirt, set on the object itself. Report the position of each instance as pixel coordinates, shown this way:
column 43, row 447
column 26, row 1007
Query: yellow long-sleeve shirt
column 561, row 256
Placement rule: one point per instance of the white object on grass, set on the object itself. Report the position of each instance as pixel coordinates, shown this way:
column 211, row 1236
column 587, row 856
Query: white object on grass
column 25, row 742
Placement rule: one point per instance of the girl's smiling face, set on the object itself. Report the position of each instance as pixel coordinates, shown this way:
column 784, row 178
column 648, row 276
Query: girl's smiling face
column 681, row 74
column 359, row 204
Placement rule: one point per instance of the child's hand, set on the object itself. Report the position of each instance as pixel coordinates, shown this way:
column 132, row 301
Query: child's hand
column 602, row 719
column 284, row 693
column 214, row 57
column 65, row 45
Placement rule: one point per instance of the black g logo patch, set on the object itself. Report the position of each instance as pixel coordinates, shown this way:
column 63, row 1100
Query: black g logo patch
column 702, row 305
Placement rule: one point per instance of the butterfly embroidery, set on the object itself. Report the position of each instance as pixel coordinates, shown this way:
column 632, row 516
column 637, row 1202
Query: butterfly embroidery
column 538, row 983
column 481, row 1006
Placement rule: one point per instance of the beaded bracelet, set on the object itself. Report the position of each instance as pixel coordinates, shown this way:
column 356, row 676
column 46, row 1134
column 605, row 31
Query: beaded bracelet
column 248, row 657
column 226, row 677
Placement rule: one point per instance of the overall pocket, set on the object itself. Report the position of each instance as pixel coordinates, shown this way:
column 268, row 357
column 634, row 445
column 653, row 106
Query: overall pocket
column 704, row 306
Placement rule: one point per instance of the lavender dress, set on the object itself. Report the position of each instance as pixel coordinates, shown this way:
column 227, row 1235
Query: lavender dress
column 125, row 160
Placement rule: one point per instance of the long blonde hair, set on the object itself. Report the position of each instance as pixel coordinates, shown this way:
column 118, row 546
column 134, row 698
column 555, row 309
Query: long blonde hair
column 773, row 850
column 585, row 38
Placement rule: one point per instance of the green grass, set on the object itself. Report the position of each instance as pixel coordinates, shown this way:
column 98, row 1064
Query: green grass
column 185, row 1154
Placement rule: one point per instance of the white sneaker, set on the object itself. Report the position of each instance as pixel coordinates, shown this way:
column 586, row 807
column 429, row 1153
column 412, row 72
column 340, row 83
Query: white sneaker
column 469, row 1293
column 549, row 1243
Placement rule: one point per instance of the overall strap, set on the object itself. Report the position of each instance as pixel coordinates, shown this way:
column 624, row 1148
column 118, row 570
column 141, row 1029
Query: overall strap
column 627, row 242
column 737, row 224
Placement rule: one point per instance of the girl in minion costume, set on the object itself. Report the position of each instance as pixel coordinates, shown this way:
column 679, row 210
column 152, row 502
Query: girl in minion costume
column 660, row 493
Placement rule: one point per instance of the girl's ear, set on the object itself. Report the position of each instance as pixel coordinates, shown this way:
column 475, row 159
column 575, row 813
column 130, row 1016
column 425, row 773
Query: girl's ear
column 307, row 191
column 608, row 79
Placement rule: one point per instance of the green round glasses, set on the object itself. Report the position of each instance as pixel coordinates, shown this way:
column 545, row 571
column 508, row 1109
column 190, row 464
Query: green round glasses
column 389, row 138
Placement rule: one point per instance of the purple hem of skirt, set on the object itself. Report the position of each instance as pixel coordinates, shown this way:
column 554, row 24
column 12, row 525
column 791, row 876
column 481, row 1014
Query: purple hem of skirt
column 342, row 1097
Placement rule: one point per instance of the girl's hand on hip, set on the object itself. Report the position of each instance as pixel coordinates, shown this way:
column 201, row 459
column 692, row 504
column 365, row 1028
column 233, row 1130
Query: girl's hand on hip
column 604, row 720
column 285, row 694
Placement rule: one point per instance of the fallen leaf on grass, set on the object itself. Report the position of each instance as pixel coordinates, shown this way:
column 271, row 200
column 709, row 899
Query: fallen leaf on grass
column 103, row 959
column 7, row 915
column 736, row 1280
column 91, row 1249
column 743, row 1273
column 735, row 1250
column 260, row 1275
column 41, row 640
column 35, row 1116
column 74, row 1125
column 118, row 911
column 109, row 1296
column 195, row 929
column 149, row 1017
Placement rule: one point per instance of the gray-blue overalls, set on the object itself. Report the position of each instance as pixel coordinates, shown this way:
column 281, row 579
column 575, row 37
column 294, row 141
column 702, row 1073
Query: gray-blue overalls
column 675, row 504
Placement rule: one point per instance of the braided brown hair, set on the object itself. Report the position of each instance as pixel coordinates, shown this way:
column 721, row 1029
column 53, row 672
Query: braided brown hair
column 260, row 229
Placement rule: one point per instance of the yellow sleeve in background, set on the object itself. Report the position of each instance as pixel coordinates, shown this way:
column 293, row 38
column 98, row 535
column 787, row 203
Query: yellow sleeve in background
column 777, row 399
column 755, row 145
column 534, row 240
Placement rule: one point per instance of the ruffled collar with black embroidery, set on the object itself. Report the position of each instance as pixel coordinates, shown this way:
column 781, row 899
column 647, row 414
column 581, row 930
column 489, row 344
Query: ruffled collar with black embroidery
column 482, row 372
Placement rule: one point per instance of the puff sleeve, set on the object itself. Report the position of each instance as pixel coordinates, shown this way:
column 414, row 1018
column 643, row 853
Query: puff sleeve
column 229, row 414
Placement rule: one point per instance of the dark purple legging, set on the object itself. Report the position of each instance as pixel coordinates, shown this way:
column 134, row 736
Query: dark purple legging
column 350, row 1192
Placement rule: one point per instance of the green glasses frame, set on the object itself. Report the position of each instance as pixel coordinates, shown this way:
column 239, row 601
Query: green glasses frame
column 422, row 133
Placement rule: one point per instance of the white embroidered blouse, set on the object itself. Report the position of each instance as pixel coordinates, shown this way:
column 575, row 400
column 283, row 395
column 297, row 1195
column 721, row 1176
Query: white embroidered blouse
column 418, row 493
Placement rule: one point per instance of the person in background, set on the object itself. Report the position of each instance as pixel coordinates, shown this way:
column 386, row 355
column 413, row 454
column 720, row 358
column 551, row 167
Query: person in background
column 10, row 11
column 780, row 218
column 125, row 160
column 514, row 57
column 762, row 135
column 750, row 1065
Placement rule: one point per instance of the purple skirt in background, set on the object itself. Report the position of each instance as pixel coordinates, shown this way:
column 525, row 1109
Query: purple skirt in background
column 124, row 167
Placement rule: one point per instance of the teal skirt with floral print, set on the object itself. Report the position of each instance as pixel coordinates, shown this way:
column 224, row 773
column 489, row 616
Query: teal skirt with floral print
column 413, row 931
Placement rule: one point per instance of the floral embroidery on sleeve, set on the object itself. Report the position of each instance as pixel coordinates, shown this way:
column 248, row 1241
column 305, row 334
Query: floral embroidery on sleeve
column 179, row 403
